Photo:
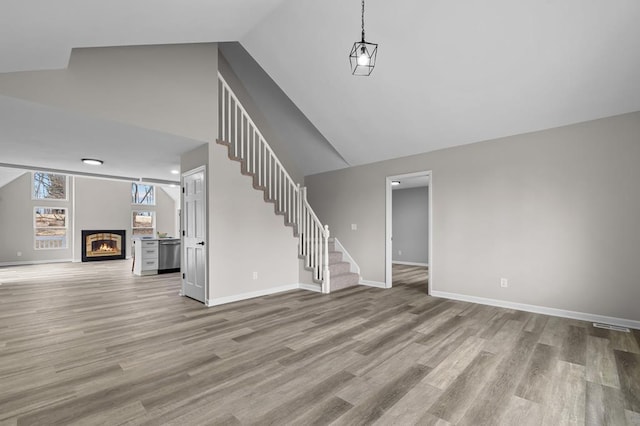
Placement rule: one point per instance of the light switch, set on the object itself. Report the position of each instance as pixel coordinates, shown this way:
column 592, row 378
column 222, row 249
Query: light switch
column 354, row 226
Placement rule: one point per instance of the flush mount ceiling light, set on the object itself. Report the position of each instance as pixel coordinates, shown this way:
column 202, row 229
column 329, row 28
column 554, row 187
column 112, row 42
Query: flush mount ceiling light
column 92, row 161
column 395, row 182
column 363, row 54
column 175, row 172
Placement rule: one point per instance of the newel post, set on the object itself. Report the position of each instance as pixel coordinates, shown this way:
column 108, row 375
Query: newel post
column 326, row 282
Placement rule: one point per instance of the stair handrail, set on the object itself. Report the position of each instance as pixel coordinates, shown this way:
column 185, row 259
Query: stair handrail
column 290, row 200
column 257, row 130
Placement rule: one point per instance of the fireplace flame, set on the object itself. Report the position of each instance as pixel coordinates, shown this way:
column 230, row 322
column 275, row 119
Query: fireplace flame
column 105, row 247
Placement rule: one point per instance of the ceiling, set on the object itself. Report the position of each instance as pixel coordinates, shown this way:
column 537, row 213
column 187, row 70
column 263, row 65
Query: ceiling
column 44, row 137
column 448, row 73
column 39, row 34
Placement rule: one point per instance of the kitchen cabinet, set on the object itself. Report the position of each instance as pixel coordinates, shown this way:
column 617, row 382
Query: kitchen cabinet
column 146, row 257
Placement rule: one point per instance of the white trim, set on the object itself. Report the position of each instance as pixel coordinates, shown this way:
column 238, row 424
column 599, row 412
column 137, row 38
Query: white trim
column 138, row 182
column 153, row 221
column 540, row 309
column 244, row 296
column 204, row 169
column 353, row 266
column 389, row 225
column 65, row 227
column 34, row 262
column 377, row 284
column 398, row 262
column 66, row 186
column 73, row 218
column 311, row 287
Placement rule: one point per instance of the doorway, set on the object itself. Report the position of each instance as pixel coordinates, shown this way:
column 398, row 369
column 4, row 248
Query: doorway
column 194, row 234
column 412, row 256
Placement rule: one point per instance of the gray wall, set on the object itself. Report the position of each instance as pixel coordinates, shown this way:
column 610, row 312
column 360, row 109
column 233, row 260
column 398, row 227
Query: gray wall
column 166, row 213
column 300, row 146
column 92, row 204
column 106, row 204
column 16, row 223
column 270, row 134
column 245, row 235
column 411, row 225
column 556, row 212
column 102, row 204
column 169, row 88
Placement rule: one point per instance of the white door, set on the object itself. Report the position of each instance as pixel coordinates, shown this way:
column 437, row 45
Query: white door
column 194, row 232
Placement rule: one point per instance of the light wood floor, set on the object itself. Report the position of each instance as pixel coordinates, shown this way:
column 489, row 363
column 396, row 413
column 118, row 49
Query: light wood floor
column 91, row 344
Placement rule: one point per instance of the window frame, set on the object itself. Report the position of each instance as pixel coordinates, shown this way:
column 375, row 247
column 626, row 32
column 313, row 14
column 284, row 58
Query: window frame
column 153, row 222
column 143, row 204
column 66, row 187
column 65, row 227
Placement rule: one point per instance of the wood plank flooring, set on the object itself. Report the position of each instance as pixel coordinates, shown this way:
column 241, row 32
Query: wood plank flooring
column 92, row 344
column 416, row 276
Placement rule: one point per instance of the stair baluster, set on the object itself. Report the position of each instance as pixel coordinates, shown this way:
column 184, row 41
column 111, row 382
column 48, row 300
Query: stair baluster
column 247, row 144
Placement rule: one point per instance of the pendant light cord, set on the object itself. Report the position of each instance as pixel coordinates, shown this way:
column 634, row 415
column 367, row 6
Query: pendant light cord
column 363, row 21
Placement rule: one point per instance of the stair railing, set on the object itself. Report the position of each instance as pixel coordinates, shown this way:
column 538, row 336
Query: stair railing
column 247, row 144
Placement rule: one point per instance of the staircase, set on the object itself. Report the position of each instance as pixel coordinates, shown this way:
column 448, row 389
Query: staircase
column 342, row 270
column 330, row 265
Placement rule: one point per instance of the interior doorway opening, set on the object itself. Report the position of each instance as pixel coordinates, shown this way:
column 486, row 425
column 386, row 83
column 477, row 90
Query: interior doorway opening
column 409, row 255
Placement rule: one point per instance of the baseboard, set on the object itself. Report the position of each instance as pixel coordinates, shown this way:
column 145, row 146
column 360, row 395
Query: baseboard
column 397, row 262
column 244, row 296
column 377, row 284
column 311, row 287
column 622, row 322
column 35, row 262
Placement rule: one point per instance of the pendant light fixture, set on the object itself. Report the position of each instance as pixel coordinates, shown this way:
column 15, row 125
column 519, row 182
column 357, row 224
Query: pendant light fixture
column 363, row 54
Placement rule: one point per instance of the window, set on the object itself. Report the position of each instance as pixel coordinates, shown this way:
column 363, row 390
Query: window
column 143, row 223
column 142, row 194
column 49, row 186
column 50, row 228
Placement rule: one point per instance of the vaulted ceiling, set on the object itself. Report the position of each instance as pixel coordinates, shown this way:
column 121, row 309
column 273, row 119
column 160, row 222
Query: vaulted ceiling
column 448, row 73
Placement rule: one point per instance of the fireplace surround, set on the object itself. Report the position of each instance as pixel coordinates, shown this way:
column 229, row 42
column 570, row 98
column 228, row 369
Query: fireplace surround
column 102, row 244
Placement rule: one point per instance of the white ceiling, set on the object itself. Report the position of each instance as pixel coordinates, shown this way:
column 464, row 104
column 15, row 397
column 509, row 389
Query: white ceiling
column 448, row 73
column 451, row 72
column 40, row 136
column 39, row 34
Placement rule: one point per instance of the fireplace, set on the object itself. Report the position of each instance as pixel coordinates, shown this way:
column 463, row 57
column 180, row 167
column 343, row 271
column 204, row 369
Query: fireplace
column 103, row 245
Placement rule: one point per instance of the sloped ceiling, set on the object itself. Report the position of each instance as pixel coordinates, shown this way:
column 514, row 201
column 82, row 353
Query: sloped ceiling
column 39, row 34
column 451, row 73
column 448, row 73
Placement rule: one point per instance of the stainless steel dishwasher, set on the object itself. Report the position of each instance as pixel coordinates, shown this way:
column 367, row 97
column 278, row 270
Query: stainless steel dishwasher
column 168, row 256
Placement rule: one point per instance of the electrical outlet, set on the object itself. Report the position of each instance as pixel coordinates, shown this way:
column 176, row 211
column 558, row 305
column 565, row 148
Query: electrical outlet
column 399, row 252
column 255, row 275
column 354, row 226
column 504, row 283
column 19, row 254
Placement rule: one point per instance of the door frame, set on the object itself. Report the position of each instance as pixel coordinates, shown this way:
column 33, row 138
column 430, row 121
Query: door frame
column 199, row 169
column 389, row 226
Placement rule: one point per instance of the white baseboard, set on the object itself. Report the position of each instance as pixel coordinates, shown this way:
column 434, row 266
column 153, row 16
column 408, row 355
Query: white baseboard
column 622, row 322
column 34, row 262
column 311, row 287
column 377, row 284
column 244, row 296
column 397, row 262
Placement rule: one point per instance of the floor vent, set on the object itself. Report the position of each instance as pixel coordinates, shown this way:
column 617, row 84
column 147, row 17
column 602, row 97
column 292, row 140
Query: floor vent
column 610, row 327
